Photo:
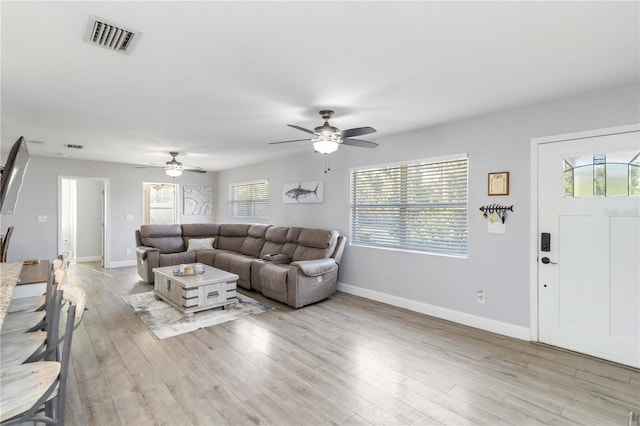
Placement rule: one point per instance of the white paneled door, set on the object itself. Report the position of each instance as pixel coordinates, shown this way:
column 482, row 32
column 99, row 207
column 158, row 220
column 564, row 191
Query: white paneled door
column 589, row 273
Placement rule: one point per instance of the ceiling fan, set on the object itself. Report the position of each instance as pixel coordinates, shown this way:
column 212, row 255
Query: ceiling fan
column 327, row 138
column 173, row 167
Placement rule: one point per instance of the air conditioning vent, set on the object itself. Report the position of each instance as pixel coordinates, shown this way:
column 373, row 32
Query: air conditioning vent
column 72, row 146
column 102, row 33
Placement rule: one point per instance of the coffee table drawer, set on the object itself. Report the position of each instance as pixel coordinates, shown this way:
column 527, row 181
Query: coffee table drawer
column 210, row 294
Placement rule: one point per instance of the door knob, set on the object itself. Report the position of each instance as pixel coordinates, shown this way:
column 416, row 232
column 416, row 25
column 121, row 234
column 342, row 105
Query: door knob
column 546, row 261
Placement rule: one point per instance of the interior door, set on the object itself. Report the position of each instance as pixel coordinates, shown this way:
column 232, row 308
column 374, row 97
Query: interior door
column 589, row 273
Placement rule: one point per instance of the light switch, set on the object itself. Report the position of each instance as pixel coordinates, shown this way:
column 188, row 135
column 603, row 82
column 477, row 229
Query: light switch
column 42, row 218
column 129, row 216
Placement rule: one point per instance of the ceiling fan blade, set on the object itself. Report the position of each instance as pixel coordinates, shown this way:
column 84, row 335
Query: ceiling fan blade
column 194, row 170
column 301, row 128
column 358, row 131
column 359, row 143
column 149, row 167
column 294, row 140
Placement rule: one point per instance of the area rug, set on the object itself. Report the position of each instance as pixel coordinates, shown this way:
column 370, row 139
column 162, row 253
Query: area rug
column 166, row 321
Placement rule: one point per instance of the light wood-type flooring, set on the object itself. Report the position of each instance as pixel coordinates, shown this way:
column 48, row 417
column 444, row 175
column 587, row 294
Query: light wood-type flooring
column 344, row 361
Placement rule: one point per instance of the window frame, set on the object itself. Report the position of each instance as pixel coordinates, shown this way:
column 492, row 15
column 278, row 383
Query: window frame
column 355, row 240
column 252, row 201
column 146, row 204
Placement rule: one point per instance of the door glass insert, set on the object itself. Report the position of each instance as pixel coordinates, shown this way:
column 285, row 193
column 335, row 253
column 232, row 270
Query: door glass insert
column 602, row 175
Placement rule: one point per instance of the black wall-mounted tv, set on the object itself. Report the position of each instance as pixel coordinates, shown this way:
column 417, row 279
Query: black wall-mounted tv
column 12, row 176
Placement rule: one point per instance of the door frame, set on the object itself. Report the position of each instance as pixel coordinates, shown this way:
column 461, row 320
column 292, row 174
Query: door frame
column 533, row 231
column 106, row 243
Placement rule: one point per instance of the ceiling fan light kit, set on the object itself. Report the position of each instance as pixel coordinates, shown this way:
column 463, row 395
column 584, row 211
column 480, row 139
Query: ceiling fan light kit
column 173, row 167
column 325, row 147
column 173, row 171
column 328, row 138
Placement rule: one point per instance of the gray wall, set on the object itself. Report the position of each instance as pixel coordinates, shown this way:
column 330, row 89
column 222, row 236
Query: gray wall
column 89, row 219
column 33, row 239
column 497, row 263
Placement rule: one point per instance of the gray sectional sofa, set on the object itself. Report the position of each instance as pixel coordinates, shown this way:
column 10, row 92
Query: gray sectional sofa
column 296, row 266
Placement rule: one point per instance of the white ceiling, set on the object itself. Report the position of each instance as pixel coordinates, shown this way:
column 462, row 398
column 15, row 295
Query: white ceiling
column 217, row 81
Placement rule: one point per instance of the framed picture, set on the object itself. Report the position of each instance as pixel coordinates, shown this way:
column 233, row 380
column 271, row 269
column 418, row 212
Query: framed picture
column 303, row 192
column 499, row 183
column 197, row 200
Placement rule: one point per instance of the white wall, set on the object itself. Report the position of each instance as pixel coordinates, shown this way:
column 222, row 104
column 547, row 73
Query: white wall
column 33, row 239
column 497, row 263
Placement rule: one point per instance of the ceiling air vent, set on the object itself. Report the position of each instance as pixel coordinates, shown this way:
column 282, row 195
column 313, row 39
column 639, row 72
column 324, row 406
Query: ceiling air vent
column 72, row 146
column 113, row 37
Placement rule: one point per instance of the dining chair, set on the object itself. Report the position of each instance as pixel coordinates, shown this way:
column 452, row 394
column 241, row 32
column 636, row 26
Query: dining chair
column 20, row 346
column 37, row 303
column 29, row 321
column 4, row 245
column 36, row 391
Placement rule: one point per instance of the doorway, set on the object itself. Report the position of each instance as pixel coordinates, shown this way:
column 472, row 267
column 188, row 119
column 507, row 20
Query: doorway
column 159, row 203
column 82, row 225
column 587, row 274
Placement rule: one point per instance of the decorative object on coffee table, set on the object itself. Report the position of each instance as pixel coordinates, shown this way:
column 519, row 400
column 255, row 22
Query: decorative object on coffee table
column 191, row 292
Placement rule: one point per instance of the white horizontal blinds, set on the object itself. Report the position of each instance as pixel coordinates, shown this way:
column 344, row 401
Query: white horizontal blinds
column 249, row 199
column 419, row 206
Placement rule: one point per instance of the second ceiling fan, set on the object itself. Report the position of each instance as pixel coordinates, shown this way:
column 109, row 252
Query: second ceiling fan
column 327, row 138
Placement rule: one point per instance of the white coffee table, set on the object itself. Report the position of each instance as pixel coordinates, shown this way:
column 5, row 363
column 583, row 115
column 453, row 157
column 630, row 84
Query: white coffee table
column 193, row 293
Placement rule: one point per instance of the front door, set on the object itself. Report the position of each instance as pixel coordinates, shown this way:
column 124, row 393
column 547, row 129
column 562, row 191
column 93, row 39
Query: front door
column 589, row 273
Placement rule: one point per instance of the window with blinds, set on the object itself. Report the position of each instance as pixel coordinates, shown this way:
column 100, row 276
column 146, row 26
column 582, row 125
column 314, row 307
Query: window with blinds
column 418, row 206
column 249, row 199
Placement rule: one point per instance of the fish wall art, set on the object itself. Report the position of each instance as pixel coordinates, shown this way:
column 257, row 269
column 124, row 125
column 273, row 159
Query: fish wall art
column 303, row 192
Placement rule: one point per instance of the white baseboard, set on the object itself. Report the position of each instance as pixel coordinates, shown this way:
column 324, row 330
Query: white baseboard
column 88, row 259
column 122, row 264
column 464, row 318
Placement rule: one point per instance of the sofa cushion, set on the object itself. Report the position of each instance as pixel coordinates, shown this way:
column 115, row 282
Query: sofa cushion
column 171, row 259
column 317, row 238
column 252, row 246
column 232, row 236
column 315, row 244
column 258, row 231
column 206, row 256
column 273, row 280
column 236, row 264
column 292, row 241
column 254, row 241
column 234, row 229
column 167, row 238
column 199, row 230
column 200, row 244
column 274, row 240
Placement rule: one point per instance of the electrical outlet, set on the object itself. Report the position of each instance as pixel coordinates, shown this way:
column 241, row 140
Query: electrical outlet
column 128, row 251
column 480, row 296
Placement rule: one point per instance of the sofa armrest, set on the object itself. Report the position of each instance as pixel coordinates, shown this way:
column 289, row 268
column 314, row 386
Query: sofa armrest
column 315, row 268
column 147, row 259
column 142, row 251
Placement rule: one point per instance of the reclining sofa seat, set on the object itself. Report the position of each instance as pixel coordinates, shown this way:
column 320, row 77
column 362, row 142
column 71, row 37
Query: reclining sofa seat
column 305, row 279
column 236, row 248
column 305, row 262
column 160, row 245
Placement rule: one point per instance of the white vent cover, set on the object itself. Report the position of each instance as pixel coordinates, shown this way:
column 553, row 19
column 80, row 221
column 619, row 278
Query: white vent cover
column 103, row 33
